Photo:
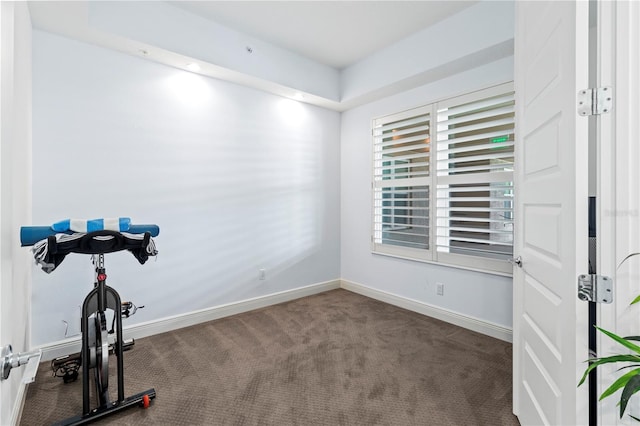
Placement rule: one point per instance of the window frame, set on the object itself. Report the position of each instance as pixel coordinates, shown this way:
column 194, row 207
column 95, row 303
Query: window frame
column 432, row 254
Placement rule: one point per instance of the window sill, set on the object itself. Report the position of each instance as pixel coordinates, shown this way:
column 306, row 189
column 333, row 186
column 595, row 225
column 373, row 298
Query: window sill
column 445, row 264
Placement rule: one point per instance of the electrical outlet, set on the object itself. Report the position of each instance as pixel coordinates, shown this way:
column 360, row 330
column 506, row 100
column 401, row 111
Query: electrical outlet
column 262, row 274
column 440, row 289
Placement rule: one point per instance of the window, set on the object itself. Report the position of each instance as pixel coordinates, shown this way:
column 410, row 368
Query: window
column 402, row 182
column 443, row 181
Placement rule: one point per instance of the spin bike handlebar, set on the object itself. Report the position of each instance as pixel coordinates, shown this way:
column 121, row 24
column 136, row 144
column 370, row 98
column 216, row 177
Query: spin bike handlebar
column 29, row 235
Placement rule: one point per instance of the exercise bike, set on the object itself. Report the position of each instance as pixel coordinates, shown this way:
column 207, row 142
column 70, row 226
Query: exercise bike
column 95, row 329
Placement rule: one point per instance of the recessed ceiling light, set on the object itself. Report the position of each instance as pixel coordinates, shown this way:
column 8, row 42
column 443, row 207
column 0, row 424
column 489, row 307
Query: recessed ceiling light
column 193, row 67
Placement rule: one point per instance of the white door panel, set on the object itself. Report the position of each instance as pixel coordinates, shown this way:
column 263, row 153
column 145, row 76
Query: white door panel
column 550, row 323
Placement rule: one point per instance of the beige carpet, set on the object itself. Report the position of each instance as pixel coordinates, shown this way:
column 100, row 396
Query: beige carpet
column 336, row 358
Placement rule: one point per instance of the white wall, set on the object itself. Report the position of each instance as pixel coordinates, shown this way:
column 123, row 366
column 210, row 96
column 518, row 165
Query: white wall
column 15, row 191
column 237, row 180
column 466, row 52
column 478, row 295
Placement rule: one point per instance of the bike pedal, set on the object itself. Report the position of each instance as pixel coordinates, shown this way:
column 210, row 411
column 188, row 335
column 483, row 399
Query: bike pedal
column 126, row 345
column 67, row 367
column 60, row 361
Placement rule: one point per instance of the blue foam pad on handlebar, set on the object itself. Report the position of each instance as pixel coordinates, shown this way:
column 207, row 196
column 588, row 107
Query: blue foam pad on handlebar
column 29, row 235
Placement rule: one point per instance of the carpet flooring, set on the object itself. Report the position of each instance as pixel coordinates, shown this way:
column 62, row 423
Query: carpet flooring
column 335, row 358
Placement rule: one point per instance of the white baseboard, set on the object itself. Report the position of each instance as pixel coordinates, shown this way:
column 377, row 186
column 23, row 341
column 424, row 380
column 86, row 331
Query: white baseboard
column 484, row 327
column 150, row 328
column 137, row 331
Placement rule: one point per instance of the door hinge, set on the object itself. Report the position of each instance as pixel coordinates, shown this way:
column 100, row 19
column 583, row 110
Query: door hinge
column 595, row 101
column 595, row 288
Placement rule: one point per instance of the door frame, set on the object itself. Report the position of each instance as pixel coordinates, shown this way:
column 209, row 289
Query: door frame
column 618, row 172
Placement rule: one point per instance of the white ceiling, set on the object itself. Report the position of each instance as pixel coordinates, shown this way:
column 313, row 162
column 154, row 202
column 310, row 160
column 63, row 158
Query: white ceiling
column 335, row 33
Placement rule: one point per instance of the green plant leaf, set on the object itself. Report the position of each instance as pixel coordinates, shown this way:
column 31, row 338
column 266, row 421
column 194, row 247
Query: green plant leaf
column 621, row 382
column 625, row 259
column 636, row 300
column 635, row 338
column 621, row 340
column 628, row 366
column 632, row 386
column 596, row 362
column 634, row 418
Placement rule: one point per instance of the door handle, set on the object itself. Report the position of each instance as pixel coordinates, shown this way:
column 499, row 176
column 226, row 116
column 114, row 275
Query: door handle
column 517, row 261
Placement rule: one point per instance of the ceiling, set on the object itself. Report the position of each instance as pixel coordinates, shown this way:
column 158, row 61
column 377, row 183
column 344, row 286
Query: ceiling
column 334, row 33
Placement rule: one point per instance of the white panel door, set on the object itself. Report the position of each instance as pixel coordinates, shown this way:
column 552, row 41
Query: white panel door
column 550, row 323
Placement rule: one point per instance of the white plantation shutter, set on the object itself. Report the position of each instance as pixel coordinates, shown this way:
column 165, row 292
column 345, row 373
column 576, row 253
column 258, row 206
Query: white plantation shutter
column 401, row 183
column 474, row 191
column 443, row 181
